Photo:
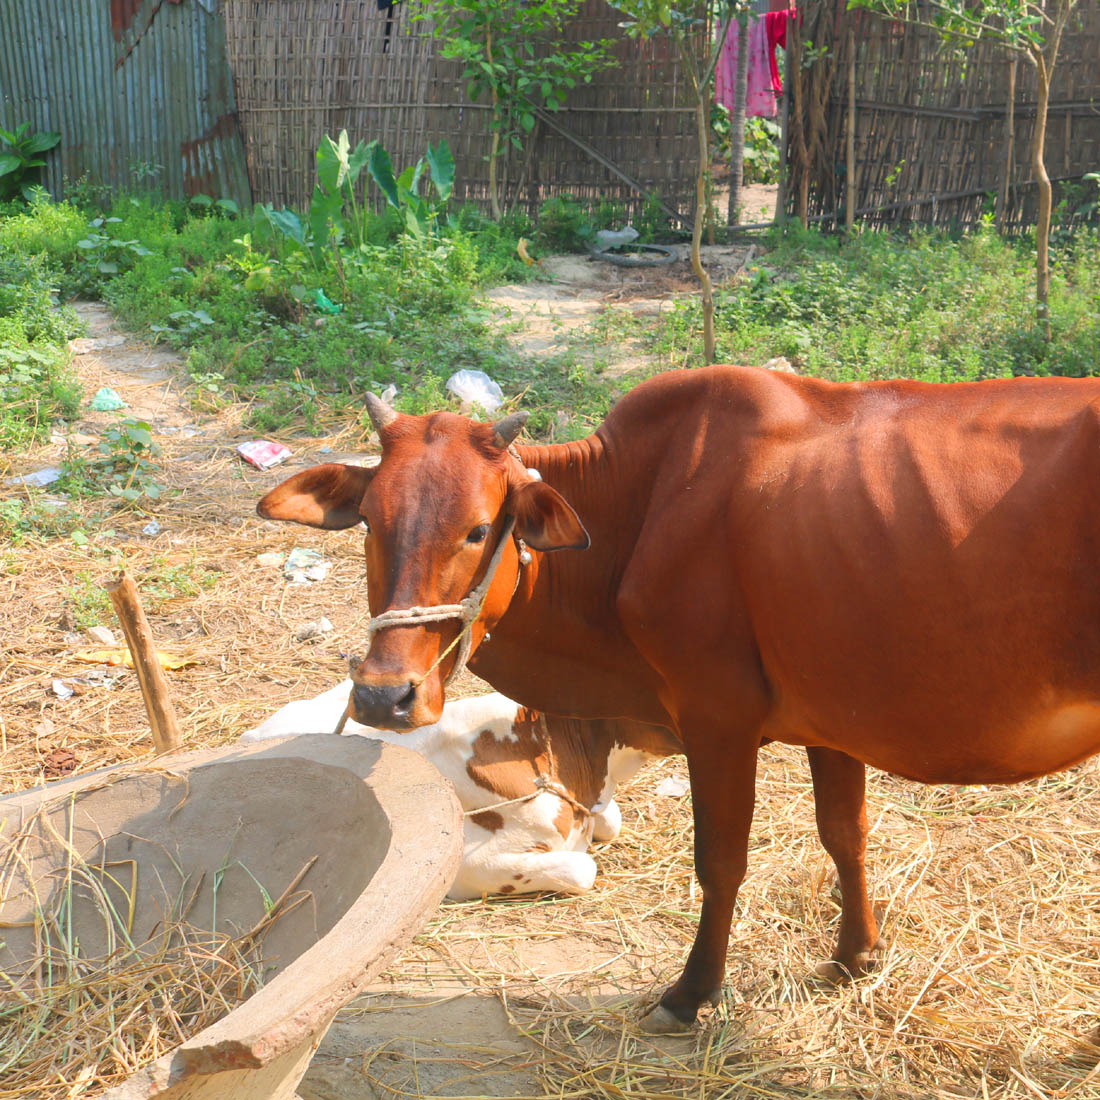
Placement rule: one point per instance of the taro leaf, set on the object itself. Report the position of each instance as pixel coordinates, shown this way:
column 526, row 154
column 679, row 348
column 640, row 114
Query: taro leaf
column 409, row 180
column 417, row 216
column 332, row 162
column 359, row 157
column 442, row 163
column 325, row 211
column 287, row 223
column 381, row 170
column 107, row 267
column 229, row 206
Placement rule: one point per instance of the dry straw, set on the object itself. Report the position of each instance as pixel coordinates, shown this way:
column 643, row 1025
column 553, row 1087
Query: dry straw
column 990, row 899
column 74, row 1024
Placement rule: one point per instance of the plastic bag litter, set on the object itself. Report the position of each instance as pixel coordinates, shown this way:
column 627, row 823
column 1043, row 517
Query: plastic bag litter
column 475, row 387
column 313, row 630
column 151, row 528
column 615, row 238
column 673, row 786
column 263, row 454
column 325, row 304
column 304, row 566
column 106, row 400
column 36, row 480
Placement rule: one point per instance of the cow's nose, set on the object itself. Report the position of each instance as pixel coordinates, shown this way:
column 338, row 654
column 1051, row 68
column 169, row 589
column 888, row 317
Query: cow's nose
column 385, row 705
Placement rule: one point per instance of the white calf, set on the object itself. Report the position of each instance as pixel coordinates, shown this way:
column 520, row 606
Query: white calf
column 536, row 789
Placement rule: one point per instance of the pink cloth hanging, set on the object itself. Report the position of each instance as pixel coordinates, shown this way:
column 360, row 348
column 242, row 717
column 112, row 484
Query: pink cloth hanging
column 760, row 94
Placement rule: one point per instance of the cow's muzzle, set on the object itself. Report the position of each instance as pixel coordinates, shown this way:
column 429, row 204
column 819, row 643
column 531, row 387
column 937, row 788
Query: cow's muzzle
column 389, row 706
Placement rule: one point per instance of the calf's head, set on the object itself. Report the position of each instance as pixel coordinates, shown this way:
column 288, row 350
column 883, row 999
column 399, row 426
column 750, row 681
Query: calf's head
column 436, row 510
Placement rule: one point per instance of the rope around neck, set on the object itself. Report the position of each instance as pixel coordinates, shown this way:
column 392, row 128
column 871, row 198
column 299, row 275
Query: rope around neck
column 467, row 610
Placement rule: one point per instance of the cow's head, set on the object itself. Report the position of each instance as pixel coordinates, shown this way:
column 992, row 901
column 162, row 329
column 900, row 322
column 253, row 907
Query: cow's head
column 437, row 511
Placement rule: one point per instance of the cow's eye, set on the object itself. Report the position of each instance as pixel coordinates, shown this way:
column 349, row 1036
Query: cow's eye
column 478, row 533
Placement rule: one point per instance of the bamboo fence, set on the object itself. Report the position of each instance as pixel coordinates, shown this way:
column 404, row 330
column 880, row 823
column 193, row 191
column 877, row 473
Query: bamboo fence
column 942, row 136
column 306, row 69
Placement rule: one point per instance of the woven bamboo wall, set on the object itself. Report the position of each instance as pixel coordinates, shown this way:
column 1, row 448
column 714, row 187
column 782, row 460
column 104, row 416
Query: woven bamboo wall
column 931, row 122
column 304, row 68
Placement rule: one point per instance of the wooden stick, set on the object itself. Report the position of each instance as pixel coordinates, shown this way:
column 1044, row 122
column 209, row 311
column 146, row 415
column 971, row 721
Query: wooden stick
column 154, row 687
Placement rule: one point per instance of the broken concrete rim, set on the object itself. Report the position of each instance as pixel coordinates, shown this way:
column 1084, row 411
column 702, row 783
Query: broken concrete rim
column 379, row 829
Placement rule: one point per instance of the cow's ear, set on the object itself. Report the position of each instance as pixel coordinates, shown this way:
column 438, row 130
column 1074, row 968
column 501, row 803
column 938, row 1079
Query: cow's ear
column 325, row 496
column 544, row 520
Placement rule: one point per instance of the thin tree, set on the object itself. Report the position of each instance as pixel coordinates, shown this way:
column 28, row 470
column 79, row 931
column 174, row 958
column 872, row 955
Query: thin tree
column 1029, row 28
column 687, row 29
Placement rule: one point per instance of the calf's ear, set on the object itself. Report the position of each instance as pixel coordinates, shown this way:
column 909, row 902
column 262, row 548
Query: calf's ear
column 544, row 520
column 325, row 496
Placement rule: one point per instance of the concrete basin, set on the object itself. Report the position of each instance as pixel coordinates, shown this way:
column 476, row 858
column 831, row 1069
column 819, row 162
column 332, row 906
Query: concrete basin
column 229, row 831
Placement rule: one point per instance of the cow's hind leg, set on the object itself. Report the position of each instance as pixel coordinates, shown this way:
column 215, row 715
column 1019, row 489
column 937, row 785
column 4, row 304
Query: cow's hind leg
column 839, row 787
column 723, row 781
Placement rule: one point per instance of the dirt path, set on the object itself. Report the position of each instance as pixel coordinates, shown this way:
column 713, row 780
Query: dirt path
column 556, row 313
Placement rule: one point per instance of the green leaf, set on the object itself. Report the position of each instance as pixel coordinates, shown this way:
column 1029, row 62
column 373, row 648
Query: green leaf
column 381, row 170
column 107, row 267
column 287, row 223
column 441, row 161
column 9, row 163
column 39, row 143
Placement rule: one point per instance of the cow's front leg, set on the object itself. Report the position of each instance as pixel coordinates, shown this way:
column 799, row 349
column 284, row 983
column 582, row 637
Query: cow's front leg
column 839, row 801
column 723, row 781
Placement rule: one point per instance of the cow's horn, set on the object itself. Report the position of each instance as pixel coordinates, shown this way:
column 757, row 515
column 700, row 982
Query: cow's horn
column 506, row 430
column 381, row 415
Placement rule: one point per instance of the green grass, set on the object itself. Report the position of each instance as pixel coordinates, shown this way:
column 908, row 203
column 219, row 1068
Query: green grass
column 879, row 306
column 302, row 338
column 36, row 385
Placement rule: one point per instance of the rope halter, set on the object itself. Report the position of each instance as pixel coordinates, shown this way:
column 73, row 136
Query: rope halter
column 467, row 610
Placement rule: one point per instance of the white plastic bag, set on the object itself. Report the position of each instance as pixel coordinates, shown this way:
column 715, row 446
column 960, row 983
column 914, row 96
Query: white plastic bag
column 475, row 387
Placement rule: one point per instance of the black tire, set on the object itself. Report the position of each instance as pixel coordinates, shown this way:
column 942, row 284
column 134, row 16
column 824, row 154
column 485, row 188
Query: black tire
column 664, row 256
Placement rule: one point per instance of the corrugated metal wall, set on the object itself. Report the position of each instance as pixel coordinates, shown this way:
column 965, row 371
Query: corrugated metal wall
column 140, row 91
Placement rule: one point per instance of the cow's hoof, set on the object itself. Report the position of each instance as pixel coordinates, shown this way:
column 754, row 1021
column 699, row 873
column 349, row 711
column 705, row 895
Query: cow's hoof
column 860, row 964
column 659, row 1021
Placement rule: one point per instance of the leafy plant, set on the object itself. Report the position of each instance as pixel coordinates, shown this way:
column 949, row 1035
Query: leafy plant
column 124, row 468
column 104, row 255
column 516, row 53
column 685, row 27
column 420, row 214
column 1032, row 29
column 204, row 204
column 21, row 159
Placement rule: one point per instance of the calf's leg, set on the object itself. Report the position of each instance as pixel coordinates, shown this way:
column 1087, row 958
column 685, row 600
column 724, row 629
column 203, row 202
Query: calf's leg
column 723, row 781
column 839, row 801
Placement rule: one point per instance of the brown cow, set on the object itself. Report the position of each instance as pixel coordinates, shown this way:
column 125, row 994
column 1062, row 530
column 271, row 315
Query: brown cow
column 890, row 573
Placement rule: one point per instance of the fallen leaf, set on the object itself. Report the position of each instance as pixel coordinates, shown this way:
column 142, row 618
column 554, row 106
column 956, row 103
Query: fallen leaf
column 122, row 656
column 59, row 762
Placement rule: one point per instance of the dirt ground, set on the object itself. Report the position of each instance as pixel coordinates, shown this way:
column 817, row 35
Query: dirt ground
column 990, row 898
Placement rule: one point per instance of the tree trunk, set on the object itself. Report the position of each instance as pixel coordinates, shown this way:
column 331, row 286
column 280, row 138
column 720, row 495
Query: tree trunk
column 737, row 119
column 796, row 76
column 1044, row 58
column 1010, row 143
column 494, row 149
column 850, row 152
column 697, row 231
column 1042, row 226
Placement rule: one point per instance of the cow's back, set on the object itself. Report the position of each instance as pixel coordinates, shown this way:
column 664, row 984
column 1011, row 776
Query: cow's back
column 916, row 565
